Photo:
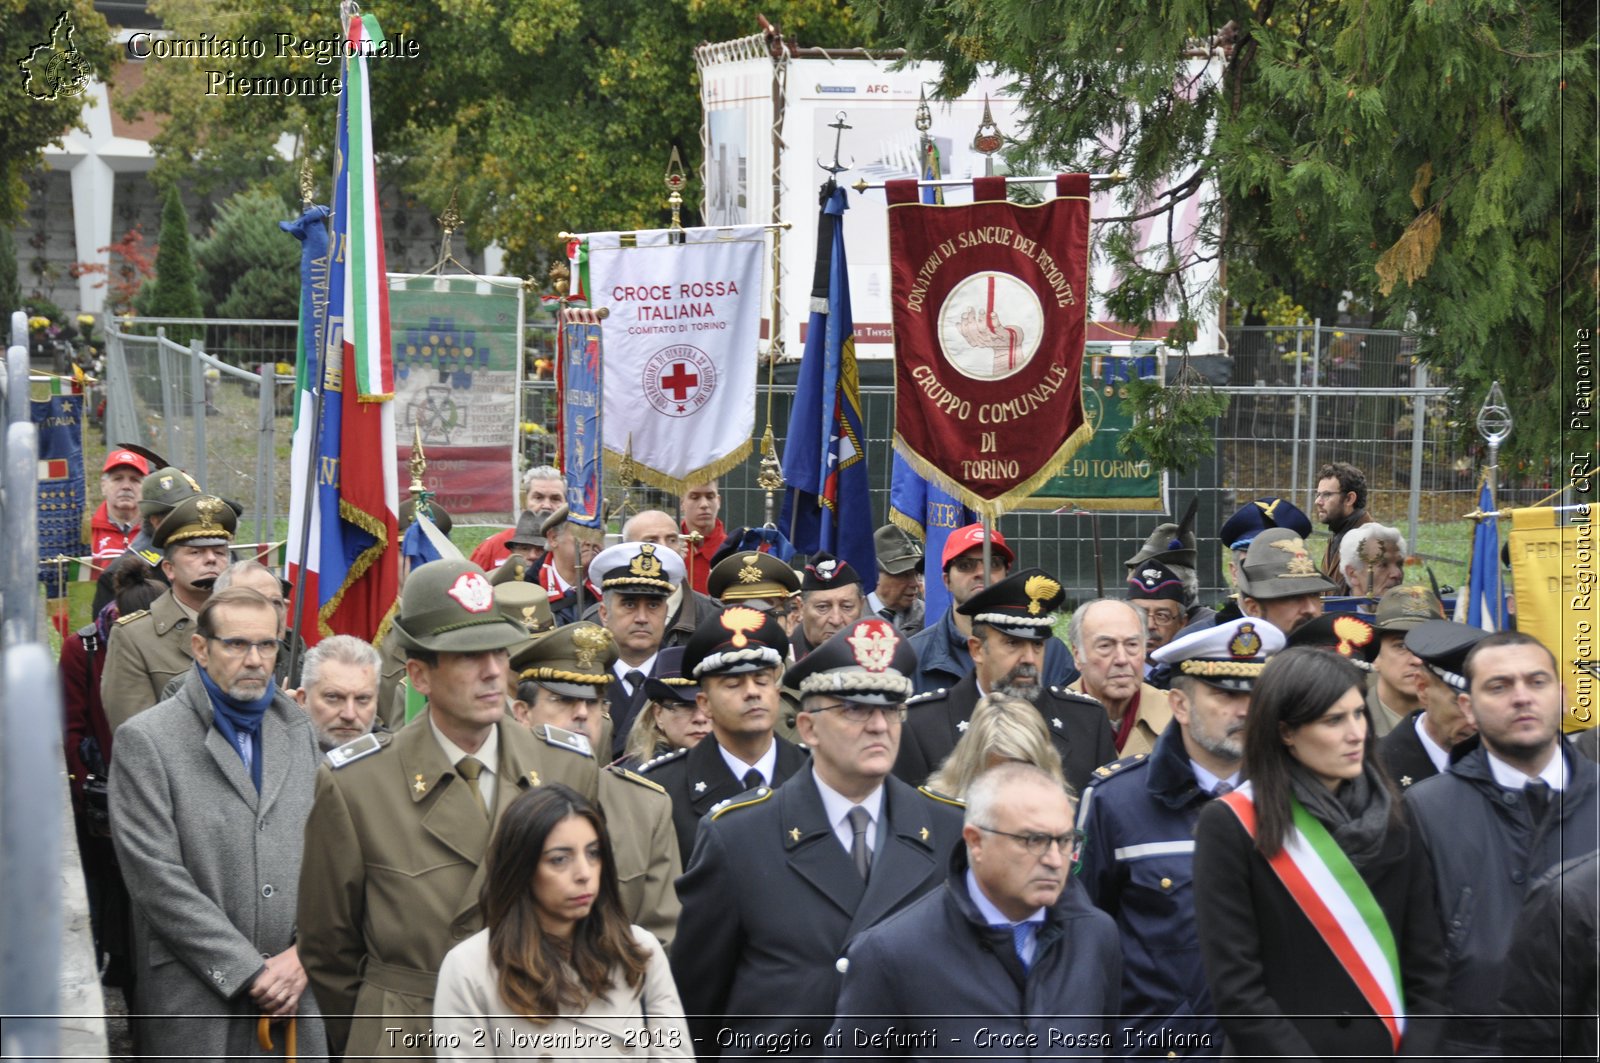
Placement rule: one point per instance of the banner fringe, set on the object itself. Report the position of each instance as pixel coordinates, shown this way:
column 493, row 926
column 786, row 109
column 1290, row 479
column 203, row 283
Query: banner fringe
column 910, row 525
column 996, row 507
column 667, row 482
column 358, row 568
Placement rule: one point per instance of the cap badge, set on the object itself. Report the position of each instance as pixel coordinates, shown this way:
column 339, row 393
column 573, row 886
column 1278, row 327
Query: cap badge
column 166, row 483
column 873, row 642
column 473, row 592
column 209, row 509
column 741, row 620
column 589, row 642
column 1267, row 507
column 825, row 570
column 1039, row 590
column 530, row 617
column 1245, row 642
column 646, row 565
column 750, row 573
column 1300, row 564
column 1352, row 634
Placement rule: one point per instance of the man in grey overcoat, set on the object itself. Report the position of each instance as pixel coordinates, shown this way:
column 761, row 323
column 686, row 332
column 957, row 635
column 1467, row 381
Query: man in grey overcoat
column 210, row 791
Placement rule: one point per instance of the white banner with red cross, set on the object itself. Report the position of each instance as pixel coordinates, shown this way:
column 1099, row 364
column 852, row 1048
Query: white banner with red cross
column 680, row 348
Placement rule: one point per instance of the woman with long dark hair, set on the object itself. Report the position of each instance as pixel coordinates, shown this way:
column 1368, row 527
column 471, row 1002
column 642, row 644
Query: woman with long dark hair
column 556, row 971
column 1314, row 898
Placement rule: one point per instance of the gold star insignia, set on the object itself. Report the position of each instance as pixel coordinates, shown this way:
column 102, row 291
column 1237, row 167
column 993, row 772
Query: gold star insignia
column 533, row 777
column 794, row 834
column 923, row 833
column 1405, row 780
column 420, row 786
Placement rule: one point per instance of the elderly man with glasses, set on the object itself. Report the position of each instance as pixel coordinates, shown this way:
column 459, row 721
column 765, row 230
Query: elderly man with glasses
column 210, row 792
column 1009, row 959
column 782, row 879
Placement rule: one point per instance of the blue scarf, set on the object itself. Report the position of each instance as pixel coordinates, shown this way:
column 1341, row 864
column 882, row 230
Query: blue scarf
column 235, row 718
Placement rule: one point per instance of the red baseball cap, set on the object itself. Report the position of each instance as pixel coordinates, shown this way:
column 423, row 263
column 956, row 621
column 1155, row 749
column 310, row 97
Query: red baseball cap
column 126, row 457
column 963, row 539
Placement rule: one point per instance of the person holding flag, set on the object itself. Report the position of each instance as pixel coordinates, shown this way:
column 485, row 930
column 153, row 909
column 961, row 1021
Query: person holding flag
column 1313, row 894
column 828, row 506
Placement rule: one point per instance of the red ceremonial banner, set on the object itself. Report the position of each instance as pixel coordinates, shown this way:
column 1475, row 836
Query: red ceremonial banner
column 990, row 305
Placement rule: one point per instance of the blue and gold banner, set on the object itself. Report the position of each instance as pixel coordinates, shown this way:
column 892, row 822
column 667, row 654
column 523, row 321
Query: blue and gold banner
column 61, row 487
column 578, row 385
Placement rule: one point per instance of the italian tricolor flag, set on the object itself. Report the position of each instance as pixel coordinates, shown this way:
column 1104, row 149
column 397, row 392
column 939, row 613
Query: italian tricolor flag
column 366, row 288
column 1334, row 896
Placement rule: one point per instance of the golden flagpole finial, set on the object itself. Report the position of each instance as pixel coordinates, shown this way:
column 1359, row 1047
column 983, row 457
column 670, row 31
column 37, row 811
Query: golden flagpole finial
column 308, row 184
column 419, row 462
column 675, row 181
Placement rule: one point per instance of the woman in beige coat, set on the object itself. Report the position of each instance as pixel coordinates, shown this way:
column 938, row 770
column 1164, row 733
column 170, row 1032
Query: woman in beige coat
column 557, row 972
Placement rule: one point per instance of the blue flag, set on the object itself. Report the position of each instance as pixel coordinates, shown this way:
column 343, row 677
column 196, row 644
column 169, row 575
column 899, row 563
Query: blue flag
column 828, row 505
column 1485, row 598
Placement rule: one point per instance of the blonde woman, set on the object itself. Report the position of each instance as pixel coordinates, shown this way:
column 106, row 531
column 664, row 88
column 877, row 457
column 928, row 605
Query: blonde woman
column 1003, row 728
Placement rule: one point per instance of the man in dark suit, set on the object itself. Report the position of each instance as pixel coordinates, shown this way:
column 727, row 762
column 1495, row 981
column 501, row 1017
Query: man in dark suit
column 1012, row 624
column 1419, row 746
column 634, row 580
column 736, row 656
column 782, row 880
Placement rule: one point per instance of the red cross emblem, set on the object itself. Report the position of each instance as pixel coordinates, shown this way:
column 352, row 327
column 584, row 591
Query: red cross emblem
column 679, row 380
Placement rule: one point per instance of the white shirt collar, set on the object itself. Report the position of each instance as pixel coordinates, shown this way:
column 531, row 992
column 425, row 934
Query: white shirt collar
column 1509, row 778
column 838, row 807
column 766, row 765
column 1208, row 782
column 1436, row 753
column 488, row 754
column 622, row 668
column 992, row 915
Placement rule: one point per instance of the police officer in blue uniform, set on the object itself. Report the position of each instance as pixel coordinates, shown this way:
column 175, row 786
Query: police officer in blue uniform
column 1138, row 817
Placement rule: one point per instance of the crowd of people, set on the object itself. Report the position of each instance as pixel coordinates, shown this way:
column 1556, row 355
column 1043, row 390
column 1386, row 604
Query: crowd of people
column 676, row 798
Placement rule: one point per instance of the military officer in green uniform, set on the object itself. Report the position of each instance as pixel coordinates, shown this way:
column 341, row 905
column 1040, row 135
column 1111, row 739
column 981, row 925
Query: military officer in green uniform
column 148, row 648
column 561, row 681
column 400, row 824
column 159, row 495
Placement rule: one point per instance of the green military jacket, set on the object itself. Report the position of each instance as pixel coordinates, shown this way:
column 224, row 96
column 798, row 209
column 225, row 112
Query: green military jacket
column 146, row 651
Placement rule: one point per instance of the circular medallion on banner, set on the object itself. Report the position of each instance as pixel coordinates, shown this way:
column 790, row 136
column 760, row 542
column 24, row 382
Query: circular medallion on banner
column 678, row 380
column 990, row 326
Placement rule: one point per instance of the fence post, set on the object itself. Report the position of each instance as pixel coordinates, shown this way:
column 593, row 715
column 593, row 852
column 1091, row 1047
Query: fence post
column 19, row 526
column 197, row 380
column 17, row 386
column 30, row 836
column 1316, row 385
column 19, row 328
column 169, row 412
column 1299, row 375
column 1419, row 415
column 121, row 422
column 266, row 450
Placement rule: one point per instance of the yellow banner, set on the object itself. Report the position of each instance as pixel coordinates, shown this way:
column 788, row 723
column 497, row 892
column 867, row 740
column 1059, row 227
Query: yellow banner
column 1555, row 571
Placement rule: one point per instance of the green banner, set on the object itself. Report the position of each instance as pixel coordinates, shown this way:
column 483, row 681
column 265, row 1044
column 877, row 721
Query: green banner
column 1099, row 476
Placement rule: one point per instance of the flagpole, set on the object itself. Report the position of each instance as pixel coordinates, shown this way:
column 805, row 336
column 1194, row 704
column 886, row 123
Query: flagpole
column 1494, row 425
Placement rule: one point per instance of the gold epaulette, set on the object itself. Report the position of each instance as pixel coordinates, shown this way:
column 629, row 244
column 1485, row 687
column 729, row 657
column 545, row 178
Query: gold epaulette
column 132, row 616
column 635, row 777
column 945, row 799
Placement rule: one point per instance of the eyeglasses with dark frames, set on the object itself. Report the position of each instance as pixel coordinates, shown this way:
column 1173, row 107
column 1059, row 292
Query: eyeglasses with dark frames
column 1038, row 843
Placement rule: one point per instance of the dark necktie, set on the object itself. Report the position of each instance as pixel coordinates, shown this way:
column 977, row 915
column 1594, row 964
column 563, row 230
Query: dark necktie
column 469, row 768
column 887, row 614
column 635, row 680
column 860, row 820
column 1537, row 794
column 1020, row 933
column 1222, row 788
column 753, row 779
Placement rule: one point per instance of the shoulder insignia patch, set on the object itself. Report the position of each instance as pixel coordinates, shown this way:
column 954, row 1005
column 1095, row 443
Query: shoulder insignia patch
column 561, row 738
column 754, row 797
column 357, row 749
column 151, row 557
column 651, row 765
column 127, row 617
column 634, row 777
column 1106, row 771
column 926, row 695
column 943, row 799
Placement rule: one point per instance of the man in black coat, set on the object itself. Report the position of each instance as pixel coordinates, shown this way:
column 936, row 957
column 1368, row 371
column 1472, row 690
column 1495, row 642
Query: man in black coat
column 1419, row 746
column 1012, row 623
column 1552, row 993
column 1504, row 812
column 736, row 656
column 1009, row 959
column 634, row 580
column 782, row 880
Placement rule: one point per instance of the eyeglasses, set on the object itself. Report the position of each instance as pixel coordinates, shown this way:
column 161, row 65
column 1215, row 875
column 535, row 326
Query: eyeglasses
column 1323, row 496
column 1038, row 843
column 862, row 713
column 1162, row 616
column 267, row 648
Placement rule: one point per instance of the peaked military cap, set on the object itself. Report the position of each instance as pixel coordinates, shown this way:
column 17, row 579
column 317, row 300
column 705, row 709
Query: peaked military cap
column 669, row 686
column 739, row 639
column 1403, row 608
column 1350, row 636
column 199, row 520
column 637, row 568
column 749, row 574
column 898, row 551
column 1255, row 517
column 573, row 661
column 1229, row 656
column 164, row 489
column 869, row 662
column 1441, row 646
column 1153, row 581
column 824, row 572
column 528, row 530
column 1023, row 605
column 525, row 603
column 1278, row 565
column 447, row 606
column 514, row 569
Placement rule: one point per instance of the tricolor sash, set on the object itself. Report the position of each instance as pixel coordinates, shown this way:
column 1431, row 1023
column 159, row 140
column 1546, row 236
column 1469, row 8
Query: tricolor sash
column 1334, row 896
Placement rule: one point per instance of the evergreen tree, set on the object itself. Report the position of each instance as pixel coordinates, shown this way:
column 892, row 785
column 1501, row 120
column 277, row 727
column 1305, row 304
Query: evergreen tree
column 10, row 294
column 174, row 292
column 250, row 268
